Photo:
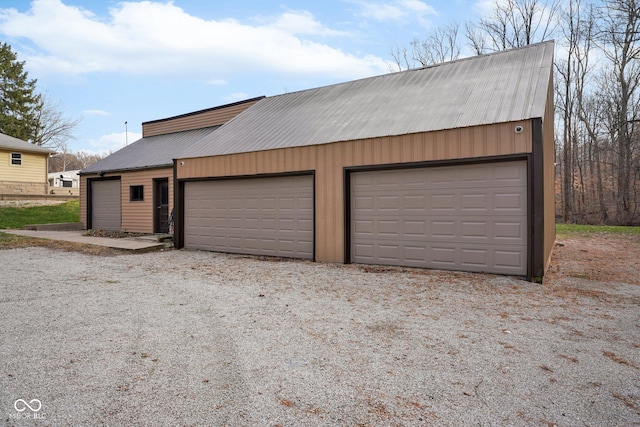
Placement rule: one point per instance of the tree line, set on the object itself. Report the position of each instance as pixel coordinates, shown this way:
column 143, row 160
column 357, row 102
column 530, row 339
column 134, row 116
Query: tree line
column 597, row 102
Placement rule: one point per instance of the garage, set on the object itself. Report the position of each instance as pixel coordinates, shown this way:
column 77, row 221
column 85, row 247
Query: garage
column 270, row 216
column 106, row 212
column 443, row 167
column 463, row 217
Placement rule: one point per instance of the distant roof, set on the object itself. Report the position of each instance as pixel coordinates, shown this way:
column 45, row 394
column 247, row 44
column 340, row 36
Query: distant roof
column 500, row 87
column 10, row 143
column 150, row 152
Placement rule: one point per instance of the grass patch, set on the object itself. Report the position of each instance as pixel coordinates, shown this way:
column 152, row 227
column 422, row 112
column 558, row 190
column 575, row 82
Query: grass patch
column 17, row 217
column 569, row 229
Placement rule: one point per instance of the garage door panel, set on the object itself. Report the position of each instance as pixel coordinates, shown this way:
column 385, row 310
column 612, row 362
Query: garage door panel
column 261, row 216
column 106, row 205
column 470, row 218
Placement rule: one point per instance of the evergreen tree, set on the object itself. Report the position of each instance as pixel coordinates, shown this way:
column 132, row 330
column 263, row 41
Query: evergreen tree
column 19, row 102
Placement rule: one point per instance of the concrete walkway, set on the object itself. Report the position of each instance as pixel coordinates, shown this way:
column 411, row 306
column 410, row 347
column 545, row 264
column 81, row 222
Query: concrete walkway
column 130, row 244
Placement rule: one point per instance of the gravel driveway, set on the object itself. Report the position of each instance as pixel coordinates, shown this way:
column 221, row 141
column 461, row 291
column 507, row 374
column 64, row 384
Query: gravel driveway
column 201, row 339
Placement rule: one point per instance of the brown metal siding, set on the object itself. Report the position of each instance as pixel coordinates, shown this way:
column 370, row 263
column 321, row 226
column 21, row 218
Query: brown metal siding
column 329, row 161
column 194, row 121
column 137, row 217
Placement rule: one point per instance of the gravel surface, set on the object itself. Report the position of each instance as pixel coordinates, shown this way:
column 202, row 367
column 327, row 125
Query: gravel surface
column 185, row 338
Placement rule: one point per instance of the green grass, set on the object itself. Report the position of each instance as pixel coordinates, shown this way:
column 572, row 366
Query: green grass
column 568, row 229
column 16, row 217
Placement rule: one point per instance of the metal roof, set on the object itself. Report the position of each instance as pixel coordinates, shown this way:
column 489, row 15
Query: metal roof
column 500, row 87
column 10, row 143
column 150, row 152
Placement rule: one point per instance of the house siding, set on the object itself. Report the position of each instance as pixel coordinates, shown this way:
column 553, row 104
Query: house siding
column 329, row 160
column 137, row 217
column 196, row 120
column 28, row 178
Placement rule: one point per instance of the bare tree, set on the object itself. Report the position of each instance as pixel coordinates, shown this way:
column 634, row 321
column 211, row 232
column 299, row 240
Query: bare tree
column 440, row 45
column 512, row 24
column 53, row 129
column 66, row 160
column 619, row 41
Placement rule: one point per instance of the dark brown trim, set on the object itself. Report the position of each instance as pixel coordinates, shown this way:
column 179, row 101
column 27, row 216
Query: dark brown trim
column 178, row 214
column 436, row 163
column 178, row 209
column 252, row 176
column 425, row 164
column 90, row 182
column 346, row 179
column 313, row 256
column 536, row 253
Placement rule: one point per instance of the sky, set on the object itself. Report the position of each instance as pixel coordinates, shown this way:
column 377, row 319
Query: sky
column 110, row 62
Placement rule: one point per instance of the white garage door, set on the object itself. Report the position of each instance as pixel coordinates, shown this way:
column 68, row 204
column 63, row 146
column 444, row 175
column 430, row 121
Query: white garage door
column 258, row 216
column 106, row 205
column 468, row 218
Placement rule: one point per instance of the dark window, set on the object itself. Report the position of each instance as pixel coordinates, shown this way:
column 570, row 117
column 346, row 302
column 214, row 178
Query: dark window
column 136, row 193
column 67, row 184
column 16, row 159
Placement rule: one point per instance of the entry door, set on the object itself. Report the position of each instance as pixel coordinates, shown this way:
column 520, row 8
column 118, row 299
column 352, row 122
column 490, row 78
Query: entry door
column 161, row 205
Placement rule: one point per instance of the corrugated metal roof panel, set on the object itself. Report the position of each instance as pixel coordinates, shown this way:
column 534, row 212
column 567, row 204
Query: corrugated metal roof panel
column 501, row 87
column 10, row 143
column 150, row 152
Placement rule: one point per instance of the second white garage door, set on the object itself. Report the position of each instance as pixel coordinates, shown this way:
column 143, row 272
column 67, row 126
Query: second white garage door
column 468, row 218
column 258, row 216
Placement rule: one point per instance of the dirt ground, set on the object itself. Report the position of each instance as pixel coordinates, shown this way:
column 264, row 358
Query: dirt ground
column 599, row 256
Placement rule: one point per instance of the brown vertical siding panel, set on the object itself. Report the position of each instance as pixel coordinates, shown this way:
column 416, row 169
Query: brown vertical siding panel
column 479, row 141
column 337, row 202
column 347, row 152
column 520, row 140
column 465, row 143
column 491, row 140
column 395, row 149
column 194, row 121
column 321, row 205
column 138, row 216
column 505, row 140
column 440, row 143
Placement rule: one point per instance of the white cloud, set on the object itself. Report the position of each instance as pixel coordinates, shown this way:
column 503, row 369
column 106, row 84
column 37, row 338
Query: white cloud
column 112, row 142
column 100, row 113
column 154, row 38
column 303, row 22
column 394, row 10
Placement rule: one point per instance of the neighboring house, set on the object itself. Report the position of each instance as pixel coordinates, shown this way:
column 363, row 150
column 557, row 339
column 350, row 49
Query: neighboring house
column 447, row 167
column 64, row 183
column 23, row 167
column 132, row 189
